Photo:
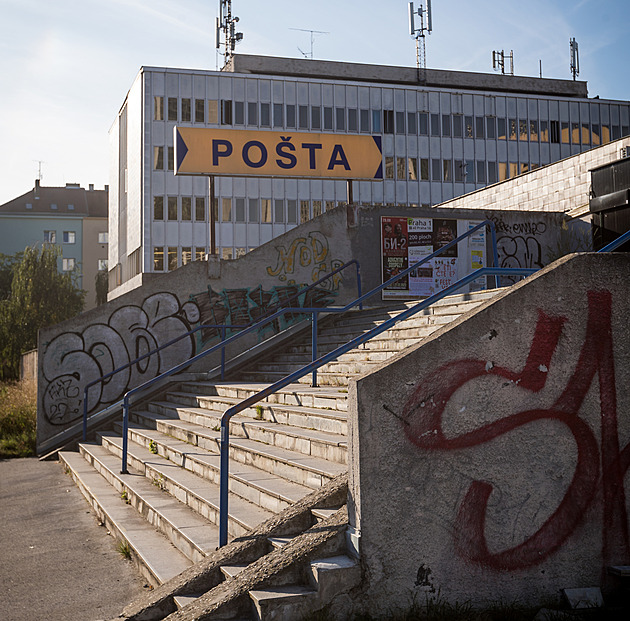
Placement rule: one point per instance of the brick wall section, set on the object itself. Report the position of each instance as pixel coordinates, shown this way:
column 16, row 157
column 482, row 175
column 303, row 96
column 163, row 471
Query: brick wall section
column 562, row 186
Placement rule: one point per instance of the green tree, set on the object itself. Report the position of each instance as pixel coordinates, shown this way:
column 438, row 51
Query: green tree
column 40, row 296
column 7, row 265
column 101, row 285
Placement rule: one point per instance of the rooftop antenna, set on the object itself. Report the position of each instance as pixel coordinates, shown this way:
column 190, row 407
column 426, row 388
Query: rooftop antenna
column 40, row 175
column 420, row 32
column 498, row 61
column 575, row 58
column 313, row 33
column 225, row 24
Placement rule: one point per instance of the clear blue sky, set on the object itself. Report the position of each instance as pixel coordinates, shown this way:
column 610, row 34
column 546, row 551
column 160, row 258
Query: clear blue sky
column 66, row 65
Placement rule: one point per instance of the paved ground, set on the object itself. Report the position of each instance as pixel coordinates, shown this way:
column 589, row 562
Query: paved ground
column 56, row 562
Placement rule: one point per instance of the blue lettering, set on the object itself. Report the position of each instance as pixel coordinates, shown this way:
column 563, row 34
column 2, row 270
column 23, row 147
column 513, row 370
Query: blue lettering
column 312, row 147
column 263, row 154
column 217, row 152
column 338, row 158
column 281, row 150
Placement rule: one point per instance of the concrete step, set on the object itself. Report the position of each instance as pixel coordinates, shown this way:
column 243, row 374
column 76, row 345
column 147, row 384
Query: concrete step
column 323, row 378
column 332, row 421
column 174, row 422
column 308, row 471
column 287, row 602
column 186, row 530
column 156, row 558
column 293, row 394
column 197, row 493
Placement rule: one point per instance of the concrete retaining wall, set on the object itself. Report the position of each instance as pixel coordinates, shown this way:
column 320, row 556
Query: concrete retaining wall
column 489, row 463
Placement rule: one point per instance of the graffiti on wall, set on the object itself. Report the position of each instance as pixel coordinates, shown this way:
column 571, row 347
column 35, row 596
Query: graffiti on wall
column 600, row 467
column 72, row 360
column 307, row 252
column 240, row 307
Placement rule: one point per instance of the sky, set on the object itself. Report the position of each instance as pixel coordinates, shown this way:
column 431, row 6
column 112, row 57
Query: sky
column 66, row 65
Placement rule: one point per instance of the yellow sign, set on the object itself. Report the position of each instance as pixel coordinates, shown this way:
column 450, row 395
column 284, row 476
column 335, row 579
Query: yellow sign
column 233, row 152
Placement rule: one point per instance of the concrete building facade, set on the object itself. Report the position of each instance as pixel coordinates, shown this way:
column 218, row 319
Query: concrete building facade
column 444, row 134
column 71, row 217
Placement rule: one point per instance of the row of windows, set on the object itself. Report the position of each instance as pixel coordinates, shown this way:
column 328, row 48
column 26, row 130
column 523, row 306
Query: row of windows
column 169, row 258
column 70, row 237
column 464, row 171
column 387, row 121
column 179, row 208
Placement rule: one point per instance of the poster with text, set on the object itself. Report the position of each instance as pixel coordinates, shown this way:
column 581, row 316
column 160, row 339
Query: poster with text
column 444, row 231
column 444, row 273
column 477, row 253
column 394, row 246
column 420, row 278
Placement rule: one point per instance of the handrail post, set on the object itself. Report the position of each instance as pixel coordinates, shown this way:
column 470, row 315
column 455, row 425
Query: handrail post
column 222, row 353
column 359, row 285
column 495, row 254
column 125, row 433
column 314, row 346
column 224, row 480
column 85, row 398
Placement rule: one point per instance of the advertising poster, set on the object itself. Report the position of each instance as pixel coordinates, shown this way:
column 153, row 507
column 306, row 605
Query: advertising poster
column 395, row 251
column 421, row 278
column 444, row 273
column 445, row 231
column 477, row 249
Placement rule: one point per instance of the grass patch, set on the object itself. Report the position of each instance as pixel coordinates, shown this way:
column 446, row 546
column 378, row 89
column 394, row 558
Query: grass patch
column 124, row 549
column 18, row 419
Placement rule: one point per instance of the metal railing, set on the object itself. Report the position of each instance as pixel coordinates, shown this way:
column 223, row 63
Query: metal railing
column 302, row 291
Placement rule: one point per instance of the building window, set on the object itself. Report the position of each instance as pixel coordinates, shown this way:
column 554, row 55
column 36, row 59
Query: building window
column 158, row 208
column 513, row 169
column 389, row 167
column 102, row 265
column 317, row 208
column 29, row 205
column 186, row 118
column 424, row 169
column 328, row 118
column 252, row 113
column 171, row 158
column 479, row 127
column 446, row 125
column 303, row 117
column 240, row 252
column 376, row 121
column 186, row 255
column 501, row 129
column 239, row 210
column 492, row 172
column 435, row 124
column 316, row 118
column 265, row 209
column 103, row 237
column 554, row 131
column 253, row 210
column 226, row 253
column 226, row 112
column 424, row 124
column 533, row 131
column 522, row 130
column 200, row 254
column 352, row 120
column 158, row 158
column 290, row 115
column 490, row 128
column 69, row 237
column 470, row 171
column 278, row 115
column 239, row 113
column 172, row 258
column 481, row 172
column 158, row 108
column 436, row 173
column 544, row 131
column 172, row 208
column 172, row 108
column 564, row 132
column 53, row 206
column 512, row 128
column 200, row 111
column 226, row 210
column 412, row 125
column 186, row 208
column 70, row 207
column 458, row 169
column 278, row 209
column 213, row 111
column 67, row 265
column 468, row 127
column 50, row 237
column 458, row 126
column 412, row 168
column 364, row 119
column 305, row 211
column 503, row 171
column 446, row 167
column 401, row 172
column 265, row 120
column 400, row 122
column 291, row 211
column 200, row 209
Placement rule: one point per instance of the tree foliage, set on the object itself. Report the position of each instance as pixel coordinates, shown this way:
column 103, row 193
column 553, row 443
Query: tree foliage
column 101, row 285
column 7, row 265
column 40, row 296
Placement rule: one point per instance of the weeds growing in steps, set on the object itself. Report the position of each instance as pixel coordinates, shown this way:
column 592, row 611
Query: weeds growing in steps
column 18, row 418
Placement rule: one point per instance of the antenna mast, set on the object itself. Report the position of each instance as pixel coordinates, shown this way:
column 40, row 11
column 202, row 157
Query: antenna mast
column 498, row 61
column 575, row 58
column 225, row 24
column 420, row 32
column 313, row 33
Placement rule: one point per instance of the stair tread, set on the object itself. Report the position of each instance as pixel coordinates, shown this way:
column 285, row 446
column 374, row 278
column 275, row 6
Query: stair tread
column 246, row 513
column 299, row 432
column 281, row 592
column 198, row 530
column 159, row 554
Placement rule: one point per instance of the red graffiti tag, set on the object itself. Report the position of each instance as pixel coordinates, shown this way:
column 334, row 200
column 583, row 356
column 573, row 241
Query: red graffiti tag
column 423, row 416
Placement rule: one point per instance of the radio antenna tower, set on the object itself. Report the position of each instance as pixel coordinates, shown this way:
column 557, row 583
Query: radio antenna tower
column 498, row 61
column 424, row 13
column 225, row 25
column 313, row 33
column 575, row 58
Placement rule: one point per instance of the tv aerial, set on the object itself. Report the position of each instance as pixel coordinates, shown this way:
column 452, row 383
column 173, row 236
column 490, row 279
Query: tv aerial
column 426, row 26
column 313, row 33
column 575, row 58
column 225, row 24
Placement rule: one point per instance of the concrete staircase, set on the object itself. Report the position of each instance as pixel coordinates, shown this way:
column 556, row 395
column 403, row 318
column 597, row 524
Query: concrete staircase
column 286, row 449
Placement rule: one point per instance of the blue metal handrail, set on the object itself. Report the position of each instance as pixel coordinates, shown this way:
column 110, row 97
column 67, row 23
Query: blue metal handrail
column 616, row 243
column 223, row 327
